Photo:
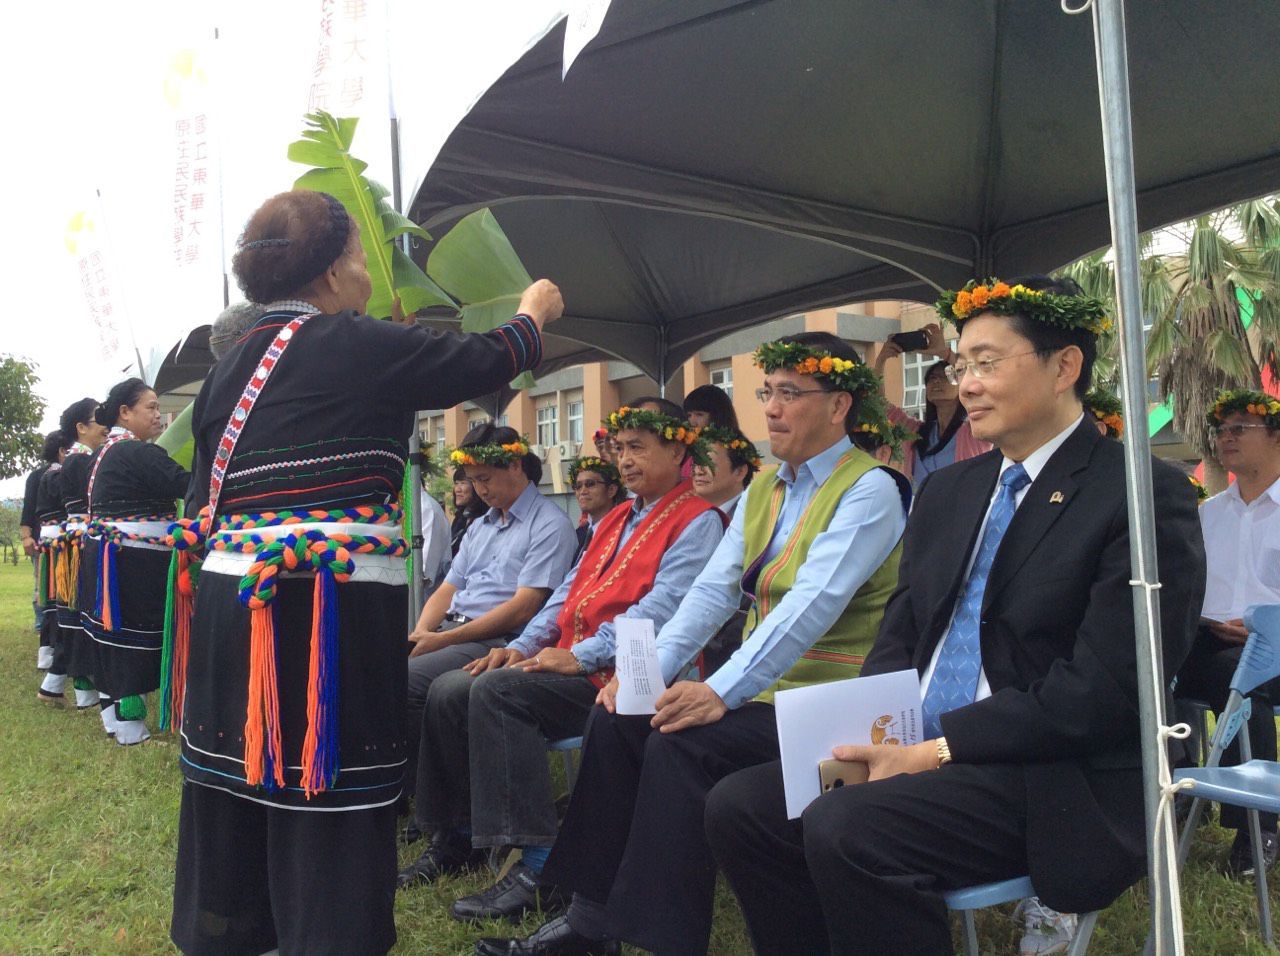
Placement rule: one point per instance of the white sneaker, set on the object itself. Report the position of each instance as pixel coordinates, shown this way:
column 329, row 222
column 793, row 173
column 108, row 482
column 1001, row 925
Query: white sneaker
column 129, row 732
column 86, row 698
column 109, row 721
column 44, row 657
column 1047, row 931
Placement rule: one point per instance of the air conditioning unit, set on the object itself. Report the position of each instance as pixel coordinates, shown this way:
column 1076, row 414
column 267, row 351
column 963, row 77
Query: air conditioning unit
column 564, row 449
column 539, row 450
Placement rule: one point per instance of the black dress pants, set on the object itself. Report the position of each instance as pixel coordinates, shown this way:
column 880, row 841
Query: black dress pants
column 1206, row 675
column 862, row 870
column 633, row 837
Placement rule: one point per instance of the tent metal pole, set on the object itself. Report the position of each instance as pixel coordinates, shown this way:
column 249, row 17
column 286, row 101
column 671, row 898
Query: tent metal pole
column 412, row 507
column 1117, row 139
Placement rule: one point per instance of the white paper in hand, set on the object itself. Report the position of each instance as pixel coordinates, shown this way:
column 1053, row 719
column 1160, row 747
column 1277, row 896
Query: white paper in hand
column 884, row 709
column 636, row 664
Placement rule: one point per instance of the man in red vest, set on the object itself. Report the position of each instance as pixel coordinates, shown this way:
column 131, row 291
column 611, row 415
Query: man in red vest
column 483, row 779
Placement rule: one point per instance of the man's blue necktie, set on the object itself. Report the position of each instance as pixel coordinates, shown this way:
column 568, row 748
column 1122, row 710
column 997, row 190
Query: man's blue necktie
column 955, row 678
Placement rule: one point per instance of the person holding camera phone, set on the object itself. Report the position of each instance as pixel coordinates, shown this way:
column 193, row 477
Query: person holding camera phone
column 944, row 434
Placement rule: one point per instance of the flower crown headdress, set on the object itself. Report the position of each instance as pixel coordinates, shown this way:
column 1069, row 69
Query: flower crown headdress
column 664, row 426
column 496, row 456
column 740, row 450
column 1107, row 409
column 1051, row 308
column 591, row 463
column 1244, row 401
column 845, row 374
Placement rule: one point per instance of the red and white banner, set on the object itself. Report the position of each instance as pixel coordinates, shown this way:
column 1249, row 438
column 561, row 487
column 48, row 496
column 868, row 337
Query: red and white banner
column 86, row 241
column 195, row 219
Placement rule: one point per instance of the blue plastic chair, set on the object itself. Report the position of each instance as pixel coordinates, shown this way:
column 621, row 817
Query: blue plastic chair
column 566, row 748
column 1007, row 891
column 1253, row 784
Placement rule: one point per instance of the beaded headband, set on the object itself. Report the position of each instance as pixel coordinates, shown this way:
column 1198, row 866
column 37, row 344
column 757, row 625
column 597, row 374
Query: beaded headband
column 1051, row 308
column 598, row 465
column 1244, row 401
column 1107, row 409
column 496, row 456
column 664, row 426
column 844, row 374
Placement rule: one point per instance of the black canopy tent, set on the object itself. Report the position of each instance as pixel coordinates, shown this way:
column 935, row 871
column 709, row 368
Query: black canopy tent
column 709, row 164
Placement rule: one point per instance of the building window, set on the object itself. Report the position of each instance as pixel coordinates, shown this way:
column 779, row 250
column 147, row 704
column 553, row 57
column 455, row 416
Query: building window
column 548, row 427
column 722, row 378
column 574, row 413
column 502, row 421
column 437, row 436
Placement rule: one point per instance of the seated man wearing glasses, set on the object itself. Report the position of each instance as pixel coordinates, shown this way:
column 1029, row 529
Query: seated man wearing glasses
column 1014, row 606
column 815, row 544
column 1242, row 544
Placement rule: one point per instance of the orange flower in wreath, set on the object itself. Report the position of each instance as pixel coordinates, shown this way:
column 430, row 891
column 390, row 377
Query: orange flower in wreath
column 1000, row 290
column 963, row 304
column 980, row 296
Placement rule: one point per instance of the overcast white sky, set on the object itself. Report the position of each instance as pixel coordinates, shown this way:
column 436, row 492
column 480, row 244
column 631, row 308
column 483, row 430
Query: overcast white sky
column 86, row 110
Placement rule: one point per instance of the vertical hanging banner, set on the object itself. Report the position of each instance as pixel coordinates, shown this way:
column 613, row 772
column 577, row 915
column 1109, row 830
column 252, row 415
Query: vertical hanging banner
column 186, row 88
column 350, row 77
column 86, row 242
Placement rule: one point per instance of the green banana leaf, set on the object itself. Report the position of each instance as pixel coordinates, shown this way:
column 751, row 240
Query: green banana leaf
column 477, row 264
column 326, row 146
column 178, row 441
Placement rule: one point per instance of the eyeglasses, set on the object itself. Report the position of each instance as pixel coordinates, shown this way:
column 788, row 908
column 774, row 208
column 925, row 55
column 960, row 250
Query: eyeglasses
column 955, row 372
column 587, row 484
column 1235, row 429
column 785, row 394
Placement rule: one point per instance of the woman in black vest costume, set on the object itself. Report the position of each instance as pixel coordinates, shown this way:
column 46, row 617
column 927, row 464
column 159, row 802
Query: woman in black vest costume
column 131, row 492
column 63, row 492
column 289, row 683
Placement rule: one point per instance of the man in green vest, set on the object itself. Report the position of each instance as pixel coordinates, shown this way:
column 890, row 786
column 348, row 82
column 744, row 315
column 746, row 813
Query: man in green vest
column 815, row 545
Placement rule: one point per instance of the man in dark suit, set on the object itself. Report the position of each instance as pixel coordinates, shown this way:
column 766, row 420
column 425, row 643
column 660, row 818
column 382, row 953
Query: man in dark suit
column 1014, row 605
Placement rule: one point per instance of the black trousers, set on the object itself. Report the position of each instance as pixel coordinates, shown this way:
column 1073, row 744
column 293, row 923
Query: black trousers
column 862, row 869
column 633, row 837
column 251, row 877
column 1206, row 675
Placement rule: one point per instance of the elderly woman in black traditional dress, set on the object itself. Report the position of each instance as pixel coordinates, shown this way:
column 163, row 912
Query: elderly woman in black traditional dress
column 131, row 491
column 292, row 676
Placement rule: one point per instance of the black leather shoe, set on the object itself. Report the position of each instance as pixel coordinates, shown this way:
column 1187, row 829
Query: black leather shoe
column 553, row 938
column 511, row 898
column 447, row 854
column 1240, row 859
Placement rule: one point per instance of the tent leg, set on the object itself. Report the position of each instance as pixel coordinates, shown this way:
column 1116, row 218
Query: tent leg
column 1117, row 139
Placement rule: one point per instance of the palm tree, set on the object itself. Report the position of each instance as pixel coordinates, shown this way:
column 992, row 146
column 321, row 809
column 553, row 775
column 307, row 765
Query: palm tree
column 1210, row 291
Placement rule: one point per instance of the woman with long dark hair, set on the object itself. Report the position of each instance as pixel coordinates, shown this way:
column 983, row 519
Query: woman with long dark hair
column 944, row 435
column 467, row 507
column 130, row 492
column 289, row 680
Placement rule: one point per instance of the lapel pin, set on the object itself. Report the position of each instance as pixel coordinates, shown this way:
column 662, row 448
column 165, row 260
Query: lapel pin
column 1056, row 498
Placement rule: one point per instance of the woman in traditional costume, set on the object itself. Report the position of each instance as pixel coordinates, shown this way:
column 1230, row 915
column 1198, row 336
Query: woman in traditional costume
column 289, row 682
column 131, row 493
column 49, row 519
column 64, row 494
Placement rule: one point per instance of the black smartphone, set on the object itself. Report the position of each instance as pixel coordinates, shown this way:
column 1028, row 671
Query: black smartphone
column 910, row 341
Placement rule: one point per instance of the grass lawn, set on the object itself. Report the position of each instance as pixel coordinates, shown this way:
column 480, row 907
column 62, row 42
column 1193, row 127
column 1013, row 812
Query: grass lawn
column 89, row 830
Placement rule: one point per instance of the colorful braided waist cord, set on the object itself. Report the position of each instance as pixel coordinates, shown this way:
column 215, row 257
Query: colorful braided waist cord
column 280, row 542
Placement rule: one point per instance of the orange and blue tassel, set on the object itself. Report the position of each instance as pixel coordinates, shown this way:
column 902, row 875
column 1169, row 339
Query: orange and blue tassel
column 320, row 748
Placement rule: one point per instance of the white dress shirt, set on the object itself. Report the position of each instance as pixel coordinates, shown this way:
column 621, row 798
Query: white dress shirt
column 1033, row 464
column 1242, row 550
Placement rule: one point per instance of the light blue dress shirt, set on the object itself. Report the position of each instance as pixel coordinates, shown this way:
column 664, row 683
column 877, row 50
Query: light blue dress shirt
column 680, row 564
column 864, row 530
column 532, row 548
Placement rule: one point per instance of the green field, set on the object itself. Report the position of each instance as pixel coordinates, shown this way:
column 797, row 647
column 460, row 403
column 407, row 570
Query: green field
column 89, row 830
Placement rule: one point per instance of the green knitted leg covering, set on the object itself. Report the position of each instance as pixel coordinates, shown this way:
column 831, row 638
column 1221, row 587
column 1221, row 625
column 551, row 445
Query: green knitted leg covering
column 83, row 683
column 131, row 708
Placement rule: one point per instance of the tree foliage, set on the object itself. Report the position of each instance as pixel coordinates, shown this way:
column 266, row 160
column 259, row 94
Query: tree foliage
column 1210, row 292
column 21, row 410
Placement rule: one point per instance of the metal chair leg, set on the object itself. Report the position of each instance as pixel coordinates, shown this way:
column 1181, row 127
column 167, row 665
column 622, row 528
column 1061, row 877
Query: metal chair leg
column 1255, row 839
column 1084, row 931
column 970, row 934
column 570, row 769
